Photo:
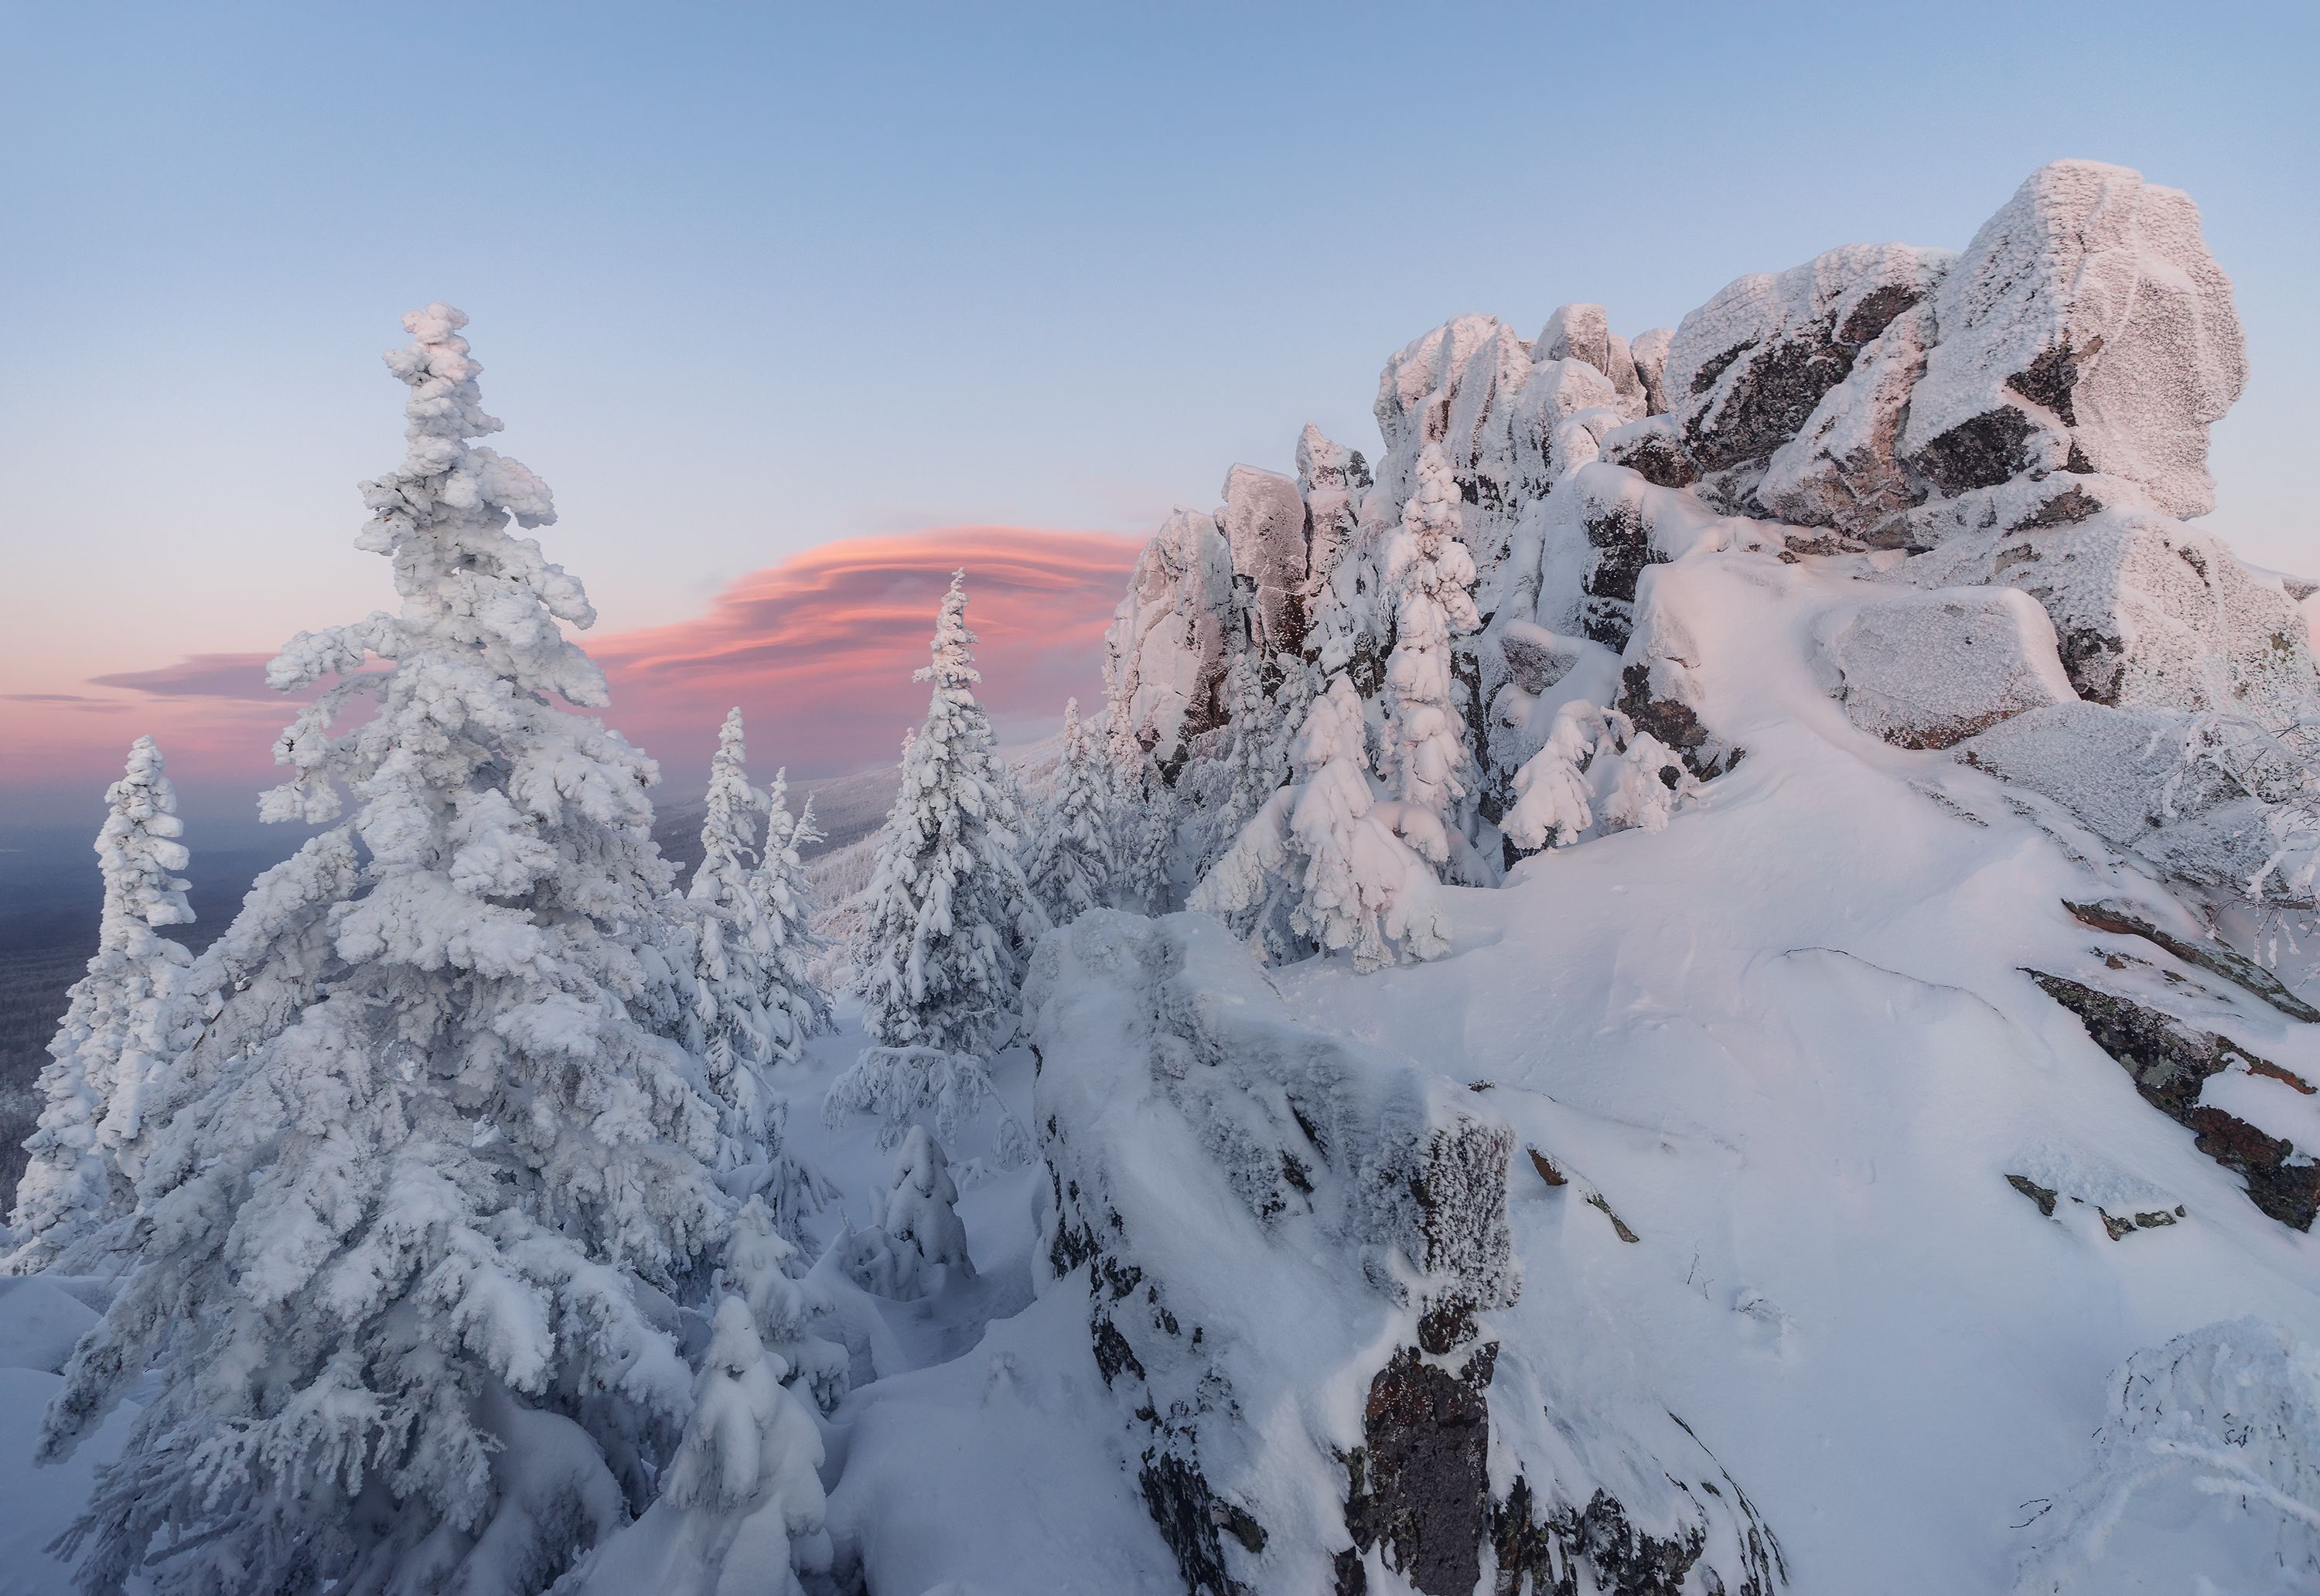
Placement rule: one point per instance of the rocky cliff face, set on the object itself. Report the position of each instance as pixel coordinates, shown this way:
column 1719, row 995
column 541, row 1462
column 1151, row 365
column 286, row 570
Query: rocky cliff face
column 1288, row 1247
column 1911, row 512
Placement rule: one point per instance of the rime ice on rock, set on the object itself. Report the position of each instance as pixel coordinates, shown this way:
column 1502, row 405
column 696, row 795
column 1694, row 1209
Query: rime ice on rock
column 1164, row 655
column 1748, row 369
column 1931, row 669
column 2086, row 328
column 1264, row 522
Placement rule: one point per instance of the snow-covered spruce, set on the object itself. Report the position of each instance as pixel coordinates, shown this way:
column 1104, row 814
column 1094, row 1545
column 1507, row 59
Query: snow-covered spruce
column 1320, row 867
column 125, row 1018
column 741, row 1505
column 758, row 1268
column 1596, row 765
column 1073, row 849
column 946, row 918
column 753, row 1001
column 921, row 1218
column 2218, row 1430
column 1432, row 579
column 407, row 1252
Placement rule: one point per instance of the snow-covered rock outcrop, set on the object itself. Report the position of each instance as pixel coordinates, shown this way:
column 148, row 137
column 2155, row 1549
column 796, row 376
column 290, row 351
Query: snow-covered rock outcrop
column 1861, row 608
column 1290, row 1247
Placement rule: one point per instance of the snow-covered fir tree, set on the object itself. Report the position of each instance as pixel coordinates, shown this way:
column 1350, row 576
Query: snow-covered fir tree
column 796, row 1004
column 728, row 1024
column 756, row 1002
column 1320, row 866
column 1596, row 768
column 407, row 1245
column 753, row 1002
column 758, row 1268
column 922, row 1217
column 1073, row 849
column 1147, row 837
column 946, row 915
column 125, row 1018
column 1258, row 760
column 1431, row 578
column 741, row 1505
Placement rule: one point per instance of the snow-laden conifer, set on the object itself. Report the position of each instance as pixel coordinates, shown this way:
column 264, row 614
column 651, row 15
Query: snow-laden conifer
column 922, row 1217
column 1431, row 579
column 758, row 1268
column 1256, row 761
column 1073, row 849
column 1147, row 837
column 1596, row 768
column 1321, row 866
column 797, row 1002
column 756, row 1002
column 741, row 1506
column 946, row 917
column 125, row 1018
column 407, row 1239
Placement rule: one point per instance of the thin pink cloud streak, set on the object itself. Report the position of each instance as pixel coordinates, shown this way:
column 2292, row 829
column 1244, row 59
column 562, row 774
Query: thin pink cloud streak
column 818, row 651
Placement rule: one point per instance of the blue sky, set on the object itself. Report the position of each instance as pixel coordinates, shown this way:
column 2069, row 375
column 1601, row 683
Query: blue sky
column 749, row 279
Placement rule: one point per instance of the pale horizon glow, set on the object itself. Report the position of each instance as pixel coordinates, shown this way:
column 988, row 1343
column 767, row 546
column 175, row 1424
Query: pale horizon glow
column 752, row 284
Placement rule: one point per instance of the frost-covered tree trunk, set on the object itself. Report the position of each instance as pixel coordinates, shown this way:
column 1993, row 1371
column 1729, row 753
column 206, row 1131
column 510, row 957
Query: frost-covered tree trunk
column 1321, row 866
column 946, row 916
column 408, row 1238
column 1431, row 578
column 1073, row 852
column 125, row 1018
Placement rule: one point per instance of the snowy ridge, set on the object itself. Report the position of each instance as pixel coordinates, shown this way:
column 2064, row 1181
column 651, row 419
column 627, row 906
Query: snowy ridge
column 1973, row 780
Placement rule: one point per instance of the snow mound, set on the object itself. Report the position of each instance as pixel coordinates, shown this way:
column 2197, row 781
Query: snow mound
column 1931, row 669
column 40, row 1322
column 2204, row 1477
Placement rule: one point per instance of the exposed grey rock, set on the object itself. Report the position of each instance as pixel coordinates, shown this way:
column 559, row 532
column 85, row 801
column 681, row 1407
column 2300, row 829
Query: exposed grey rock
column 2171, row 1061
column 1746, row 371
column 1649, row 351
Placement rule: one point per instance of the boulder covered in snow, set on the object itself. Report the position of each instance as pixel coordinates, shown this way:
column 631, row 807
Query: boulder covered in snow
column 2115, row 771
column 2087, row 328
column 2150, row 614
column 1166, row 652
column 1748, row 369
column 1264, row 522
column 1931, row 669
column 1584, row 332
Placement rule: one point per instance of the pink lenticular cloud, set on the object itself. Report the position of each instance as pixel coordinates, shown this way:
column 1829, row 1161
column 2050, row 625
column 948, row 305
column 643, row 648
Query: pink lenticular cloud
column 817, row 650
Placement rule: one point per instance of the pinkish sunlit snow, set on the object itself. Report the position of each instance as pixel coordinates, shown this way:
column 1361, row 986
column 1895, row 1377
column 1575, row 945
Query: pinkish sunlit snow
column 955, row 846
